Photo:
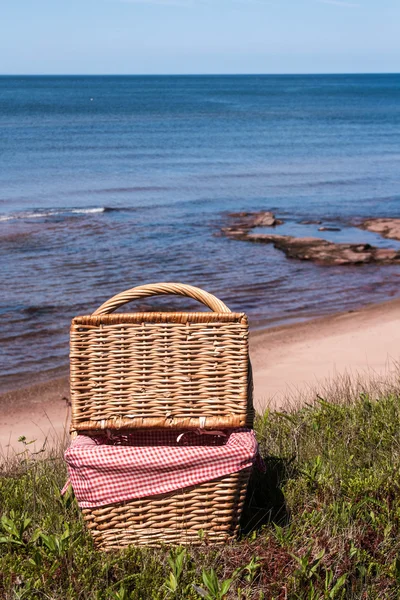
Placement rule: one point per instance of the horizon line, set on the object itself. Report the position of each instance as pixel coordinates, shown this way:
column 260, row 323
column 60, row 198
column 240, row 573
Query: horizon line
column 333, row 73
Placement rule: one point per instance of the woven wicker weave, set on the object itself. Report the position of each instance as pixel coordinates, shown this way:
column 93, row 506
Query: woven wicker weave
column 180, row 517
column 160, row 369
column 156, row 370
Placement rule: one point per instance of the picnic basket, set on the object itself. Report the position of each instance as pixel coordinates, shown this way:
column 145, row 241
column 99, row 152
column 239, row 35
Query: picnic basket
column 155, row 371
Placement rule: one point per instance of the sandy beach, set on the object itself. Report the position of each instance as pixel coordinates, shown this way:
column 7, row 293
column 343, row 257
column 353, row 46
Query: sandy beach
column 288, row 362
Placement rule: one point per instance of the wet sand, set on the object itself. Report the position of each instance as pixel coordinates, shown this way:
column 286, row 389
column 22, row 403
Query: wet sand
column 288, row 361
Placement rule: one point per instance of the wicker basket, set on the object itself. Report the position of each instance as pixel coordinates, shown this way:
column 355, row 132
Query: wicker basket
column 163, row 370
column 210, row 509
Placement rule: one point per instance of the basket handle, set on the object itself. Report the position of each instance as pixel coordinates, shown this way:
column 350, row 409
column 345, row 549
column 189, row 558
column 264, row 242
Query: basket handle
column 156, row 289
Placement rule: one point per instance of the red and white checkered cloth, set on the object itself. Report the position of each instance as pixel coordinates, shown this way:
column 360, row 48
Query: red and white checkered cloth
column 105, row 471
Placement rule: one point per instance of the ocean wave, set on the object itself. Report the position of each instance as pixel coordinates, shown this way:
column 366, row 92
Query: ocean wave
column 56, row 212
column 89, row 210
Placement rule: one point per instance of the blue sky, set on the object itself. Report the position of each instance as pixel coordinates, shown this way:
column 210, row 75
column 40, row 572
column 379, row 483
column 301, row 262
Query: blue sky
column 199, row 36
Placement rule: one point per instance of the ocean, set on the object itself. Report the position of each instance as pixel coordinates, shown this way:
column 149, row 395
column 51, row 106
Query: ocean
column 111, row 182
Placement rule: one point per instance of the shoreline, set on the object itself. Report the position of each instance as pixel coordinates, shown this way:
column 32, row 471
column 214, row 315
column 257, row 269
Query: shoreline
column 291, row 361
column 258, row 328
column 288, row 361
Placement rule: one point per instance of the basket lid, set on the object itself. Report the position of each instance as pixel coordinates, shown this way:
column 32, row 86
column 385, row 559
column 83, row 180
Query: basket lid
column 156, row 370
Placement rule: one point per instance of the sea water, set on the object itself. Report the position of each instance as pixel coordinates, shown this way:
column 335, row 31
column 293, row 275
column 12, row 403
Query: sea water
column 111, row 182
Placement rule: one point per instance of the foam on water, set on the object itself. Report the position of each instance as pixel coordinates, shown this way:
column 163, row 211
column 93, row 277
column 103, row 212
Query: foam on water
column 55, row 212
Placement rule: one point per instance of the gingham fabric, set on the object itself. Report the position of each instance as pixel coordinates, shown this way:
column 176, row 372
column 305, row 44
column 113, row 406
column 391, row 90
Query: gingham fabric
column 106, row 471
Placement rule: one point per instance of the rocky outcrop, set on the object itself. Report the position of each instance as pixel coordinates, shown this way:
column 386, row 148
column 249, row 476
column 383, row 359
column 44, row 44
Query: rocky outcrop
column 327, row 253
column 387, row 228
column 249, row 220
column 240, row 224
column 315, row 249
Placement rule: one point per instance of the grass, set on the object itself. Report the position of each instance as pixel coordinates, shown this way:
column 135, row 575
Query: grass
column 322, row 522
